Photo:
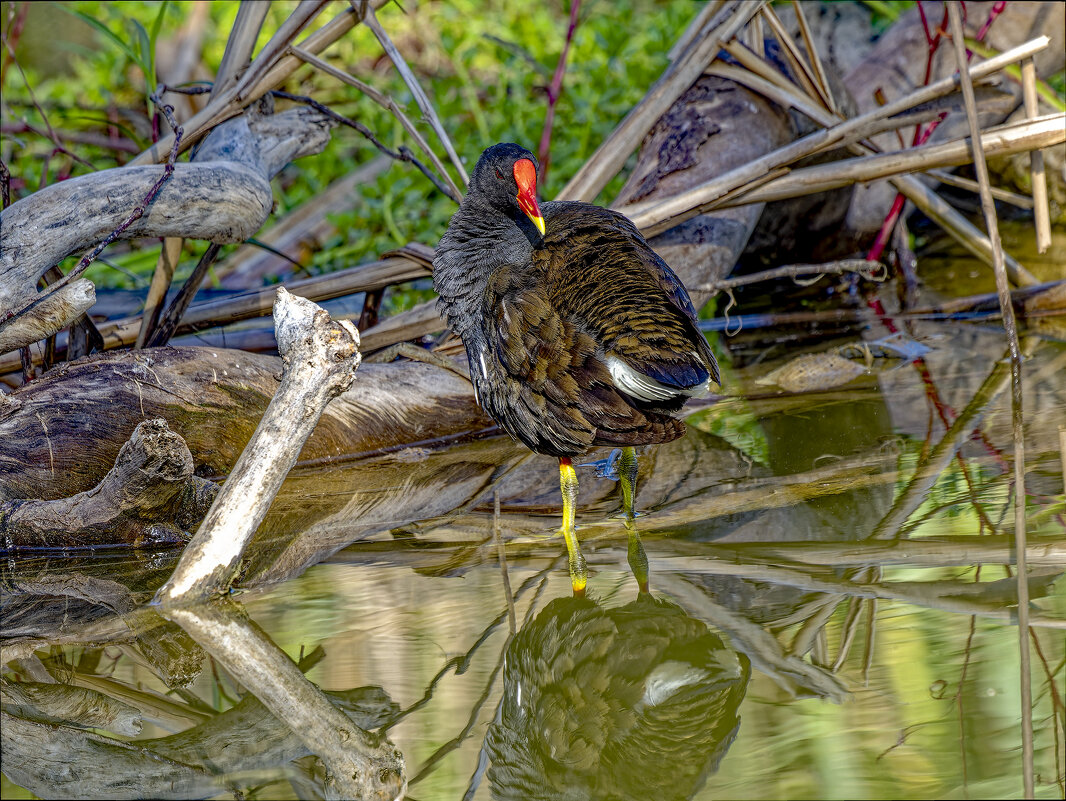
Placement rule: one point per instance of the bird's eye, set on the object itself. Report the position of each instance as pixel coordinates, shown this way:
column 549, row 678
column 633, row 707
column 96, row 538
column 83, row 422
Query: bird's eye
column 499, row 174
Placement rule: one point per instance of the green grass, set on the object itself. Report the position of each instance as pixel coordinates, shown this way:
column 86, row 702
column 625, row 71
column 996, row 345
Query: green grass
column 483, row 64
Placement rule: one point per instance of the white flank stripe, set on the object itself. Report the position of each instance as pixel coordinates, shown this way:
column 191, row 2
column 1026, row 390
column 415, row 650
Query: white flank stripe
column 635, row 383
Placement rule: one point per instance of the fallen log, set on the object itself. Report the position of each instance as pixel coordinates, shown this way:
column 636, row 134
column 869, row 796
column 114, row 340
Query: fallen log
column 149, row 497
column 213, row 399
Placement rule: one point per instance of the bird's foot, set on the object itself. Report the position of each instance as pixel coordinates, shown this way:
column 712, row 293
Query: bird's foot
column 621, row 514
column 606, row 468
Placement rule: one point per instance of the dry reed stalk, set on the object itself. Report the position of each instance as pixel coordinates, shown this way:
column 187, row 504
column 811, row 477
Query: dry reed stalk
column 411, row 324
column 371, row 21
column 835, row 132
column 1021, row 201
column 805, row 78
column 300, row 18
column 999, row 141
column 240, row 44
column 920, row 552
column 501, row 553
column 807, row 635
column 944, row 595
column 703, row 16
column 1003, row 288
column 233, row 100
column 611, row 155
column 387, row 103
column 814, row 57
column 943, row 452
column 958, row 227
column 1036, row 162
column 169, row 256
column 914, row 190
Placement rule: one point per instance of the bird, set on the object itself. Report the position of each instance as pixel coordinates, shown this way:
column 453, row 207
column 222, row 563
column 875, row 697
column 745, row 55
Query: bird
column 576, row 332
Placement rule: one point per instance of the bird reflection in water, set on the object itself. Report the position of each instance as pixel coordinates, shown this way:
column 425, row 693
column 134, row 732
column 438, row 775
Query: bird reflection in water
column 638, row 701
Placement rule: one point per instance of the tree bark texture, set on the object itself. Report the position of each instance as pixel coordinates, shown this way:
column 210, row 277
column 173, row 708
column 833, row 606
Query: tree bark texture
column 149, row 497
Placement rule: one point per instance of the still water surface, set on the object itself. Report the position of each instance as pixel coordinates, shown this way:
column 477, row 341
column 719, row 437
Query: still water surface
column 821, row 624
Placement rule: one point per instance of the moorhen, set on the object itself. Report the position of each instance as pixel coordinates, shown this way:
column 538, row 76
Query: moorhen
column 577, row 333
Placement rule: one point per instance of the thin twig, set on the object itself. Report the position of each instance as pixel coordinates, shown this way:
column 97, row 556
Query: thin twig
column 403, row 154
column 1021, row 201
column 388, row 103
column 1036, row 162
column 177, row 308
column 371, row 21
column 502, row 554
column 862, row 266
column 1003, row 288
column 554, row 91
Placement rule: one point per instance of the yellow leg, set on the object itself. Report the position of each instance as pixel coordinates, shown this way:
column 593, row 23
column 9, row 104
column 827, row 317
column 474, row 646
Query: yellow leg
column 638, row 559
column 578, row 569
column 627, row 473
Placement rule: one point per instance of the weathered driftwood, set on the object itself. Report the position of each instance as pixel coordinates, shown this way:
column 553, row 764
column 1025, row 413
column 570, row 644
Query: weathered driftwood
column 245, row 740
column 148, row 498
column 320, row 358
column 61, row 762
column 50, row 313
column 224, row 195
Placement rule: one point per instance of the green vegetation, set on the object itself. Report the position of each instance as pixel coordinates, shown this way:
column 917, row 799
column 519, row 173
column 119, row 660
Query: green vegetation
column 485, row 66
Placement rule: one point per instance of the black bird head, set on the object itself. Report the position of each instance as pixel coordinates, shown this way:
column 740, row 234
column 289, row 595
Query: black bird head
column 505, row 178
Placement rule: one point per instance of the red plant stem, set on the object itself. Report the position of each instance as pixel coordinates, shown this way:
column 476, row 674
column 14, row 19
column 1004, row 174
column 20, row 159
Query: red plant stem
column 11, row 41
column 554, row 90
column 883, row 235
column 997, row 9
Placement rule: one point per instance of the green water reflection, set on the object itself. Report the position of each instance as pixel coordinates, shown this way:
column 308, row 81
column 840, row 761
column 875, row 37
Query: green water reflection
column 792, row 647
